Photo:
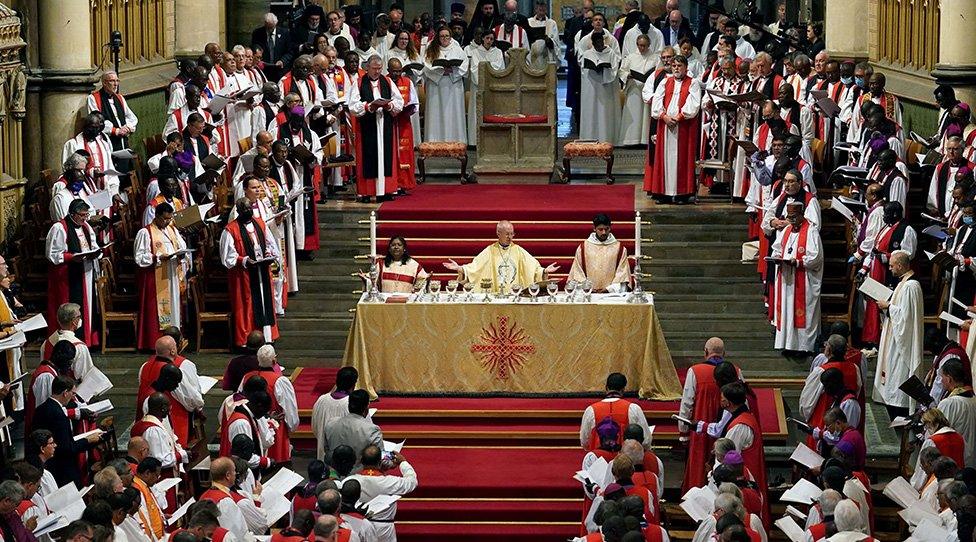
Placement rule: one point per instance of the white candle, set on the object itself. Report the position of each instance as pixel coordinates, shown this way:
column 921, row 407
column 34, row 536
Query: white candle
column 372, row 233
column 637, row 234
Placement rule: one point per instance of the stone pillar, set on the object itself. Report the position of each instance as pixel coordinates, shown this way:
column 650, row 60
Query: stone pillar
column 197, row 23
column 846, row 36
column 65, row 77
column 957, row 49
column 245, row 16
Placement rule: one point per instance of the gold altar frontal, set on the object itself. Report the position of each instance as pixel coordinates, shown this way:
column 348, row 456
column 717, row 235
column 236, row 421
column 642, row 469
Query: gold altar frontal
column 509, row 348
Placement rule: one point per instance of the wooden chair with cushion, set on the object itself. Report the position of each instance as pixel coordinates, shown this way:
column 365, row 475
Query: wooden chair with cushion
column 204, row 317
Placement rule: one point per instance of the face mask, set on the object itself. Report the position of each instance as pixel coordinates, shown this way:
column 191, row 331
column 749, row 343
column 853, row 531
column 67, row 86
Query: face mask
column 847, row 80
column 968, row 220
column 80, row 322
column 859, row 81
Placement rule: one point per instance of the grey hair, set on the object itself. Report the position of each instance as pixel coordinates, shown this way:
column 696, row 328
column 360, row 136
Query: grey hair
column 266, row 356
column 11, row 490
column 270, row 18
column 75, row 161
column 953, row 490
column 68, row 312
column 847, row 516
column 828, row 501
column 730, row 504
column 634, row 450
column 723, row 445
column 106, row 73
column 238, row 49
column 728, row 488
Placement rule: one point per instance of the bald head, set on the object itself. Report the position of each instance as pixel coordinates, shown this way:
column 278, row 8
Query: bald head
column 264, row 139
column 714, row 347
column 138, row 448
column 326, row 526
column 166, row 347
column 505, row 232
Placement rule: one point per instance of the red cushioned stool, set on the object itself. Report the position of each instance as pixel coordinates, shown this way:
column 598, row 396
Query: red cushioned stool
column 587, row 149
column 444, row 149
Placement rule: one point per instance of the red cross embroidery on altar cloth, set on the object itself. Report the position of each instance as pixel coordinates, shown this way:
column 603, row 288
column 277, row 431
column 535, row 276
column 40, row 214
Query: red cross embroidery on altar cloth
column 503, row 349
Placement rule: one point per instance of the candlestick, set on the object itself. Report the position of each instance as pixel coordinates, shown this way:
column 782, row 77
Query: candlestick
column 637, row 234
column 372, row 233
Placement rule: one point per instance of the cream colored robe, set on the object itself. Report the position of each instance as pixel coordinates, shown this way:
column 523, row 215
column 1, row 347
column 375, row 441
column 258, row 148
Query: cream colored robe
column 606, row 264
column 511, row 265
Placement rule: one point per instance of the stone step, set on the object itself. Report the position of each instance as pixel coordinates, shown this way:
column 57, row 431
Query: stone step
column 681, row 340
column 715, row 324
column 741, row 306
column 697, row 268
column 330, row 339
column 742, row 286
column 343, row 214
column 693, row 232
column 311, row 322
column 694, row 249
column 329, row 267
column 697, row 214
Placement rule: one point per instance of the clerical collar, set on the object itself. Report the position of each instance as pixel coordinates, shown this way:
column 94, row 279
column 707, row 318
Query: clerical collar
column 715, row 360
column 614, row 395
column 504, row 247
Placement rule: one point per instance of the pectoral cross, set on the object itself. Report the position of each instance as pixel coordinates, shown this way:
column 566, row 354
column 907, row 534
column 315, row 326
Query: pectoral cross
column 506, row 272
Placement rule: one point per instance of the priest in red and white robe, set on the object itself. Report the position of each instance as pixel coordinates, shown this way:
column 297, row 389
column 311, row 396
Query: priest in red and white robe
column 120, row 121
column 247, row 250
column 675, row 105
column 163, row 268
column 376, row 101
column 406, row 160
column 98, row 149
column 894, row 235
column 72, row 250
column 73, row 184
column 237, row 113
column 511, row 33
column 283, row 401
column 293, row 130
column 799, row 272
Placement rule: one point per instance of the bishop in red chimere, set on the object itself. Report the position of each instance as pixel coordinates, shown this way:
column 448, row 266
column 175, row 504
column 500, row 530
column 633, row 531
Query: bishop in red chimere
column 675, row 106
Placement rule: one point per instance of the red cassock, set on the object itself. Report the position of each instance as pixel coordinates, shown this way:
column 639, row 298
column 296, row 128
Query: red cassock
column 43, row 368
column 280, row 451
column 951, row 444
column 406, row 178
column 852, row 384
column 245, row 283
column 708, row 398
column 367, row 134
column 67, row 283
column 687, row 145
column 753, row 457
column 148, row 322
column 618, row 410
column 225, row 441
column 179, row 417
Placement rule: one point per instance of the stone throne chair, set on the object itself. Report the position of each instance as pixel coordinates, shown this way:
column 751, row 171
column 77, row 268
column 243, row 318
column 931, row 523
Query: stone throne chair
column 516, row 117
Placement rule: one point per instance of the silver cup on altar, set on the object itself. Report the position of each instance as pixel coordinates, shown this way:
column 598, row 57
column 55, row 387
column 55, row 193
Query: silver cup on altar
column 374, row 276
column 468, row 288
column 452, row 286
column 551, row 288
column 435, row 289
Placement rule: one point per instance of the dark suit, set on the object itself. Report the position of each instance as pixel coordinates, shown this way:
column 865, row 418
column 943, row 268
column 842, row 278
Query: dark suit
column 573, row 75
column 683, row 32
column 64, row 465
column 282, row 45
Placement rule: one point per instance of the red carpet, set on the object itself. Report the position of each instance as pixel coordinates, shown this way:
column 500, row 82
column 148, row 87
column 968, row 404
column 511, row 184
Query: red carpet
column 457, row 222
column 495, row 468
column 511, row 202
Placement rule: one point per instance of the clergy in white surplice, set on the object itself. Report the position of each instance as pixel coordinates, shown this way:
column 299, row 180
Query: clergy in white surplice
column 159, row 251
column 601, row 259
column 723, row 121
column 237, row 113
column 445, row 65
column 599, row 91
column 266, row 196
column 900, row 351
column 376, row 101
column 959, row 406
column 486, row 52
column 634, row 70
column 675, row 105
column 799, row 254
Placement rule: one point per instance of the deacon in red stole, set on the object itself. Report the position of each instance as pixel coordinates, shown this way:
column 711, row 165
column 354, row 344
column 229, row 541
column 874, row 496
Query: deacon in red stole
column 399, row 273
column 376, row 101
column 894, row 235
column 799, row 273
column 72, row 250
column 247, row 250
column 742, row 428
column 406, row 161
column 161, row 276
column 675, row 106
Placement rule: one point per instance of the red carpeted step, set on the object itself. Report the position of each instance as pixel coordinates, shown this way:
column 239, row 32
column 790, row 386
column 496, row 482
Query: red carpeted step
column 481, row 509
column 486, row 230
column 511, row 202
column 495, row 472
column 548, row 248
column 484, row 532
